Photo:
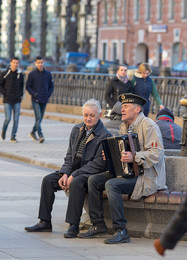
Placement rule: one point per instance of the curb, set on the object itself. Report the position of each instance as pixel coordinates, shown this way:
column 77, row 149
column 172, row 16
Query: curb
column 30, row 161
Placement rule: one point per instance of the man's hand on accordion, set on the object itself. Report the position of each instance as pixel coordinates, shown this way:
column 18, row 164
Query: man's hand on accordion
column 126, row 157
column 103, row 154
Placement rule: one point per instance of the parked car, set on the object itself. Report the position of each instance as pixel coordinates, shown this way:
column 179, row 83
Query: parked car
column 78, row 59
column 97, row 66
column 4, row 62
column 179, row 70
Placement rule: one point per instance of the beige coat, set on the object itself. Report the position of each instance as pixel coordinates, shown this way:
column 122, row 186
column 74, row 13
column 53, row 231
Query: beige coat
column 150, row 156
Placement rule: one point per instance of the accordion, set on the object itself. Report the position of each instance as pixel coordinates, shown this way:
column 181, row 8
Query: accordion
column 113, row 148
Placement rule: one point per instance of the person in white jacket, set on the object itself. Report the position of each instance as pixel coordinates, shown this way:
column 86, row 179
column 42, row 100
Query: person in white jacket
column 150, row 157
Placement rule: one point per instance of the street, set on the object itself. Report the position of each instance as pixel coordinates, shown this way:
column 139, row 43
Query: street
column 19, row 201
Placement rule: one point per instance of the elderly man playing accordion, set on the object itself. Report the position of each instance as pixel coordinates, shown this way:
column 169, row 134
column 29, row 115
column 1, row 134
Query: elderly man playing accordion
column 150, row 157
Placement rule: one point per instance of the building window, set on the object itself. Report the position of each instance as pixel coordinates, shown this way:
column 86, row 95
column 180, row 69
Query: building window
column 104, row 50
column 160, row 49
column 105, row 12
column 148, row 10
column 123, row 58
column 175, row 57
column 183, row 53
column 184, row 9
column 124, row 10
column 171, row 9
column 136, row 10
column 159, row 10
column 115, row 12
column 114, row 51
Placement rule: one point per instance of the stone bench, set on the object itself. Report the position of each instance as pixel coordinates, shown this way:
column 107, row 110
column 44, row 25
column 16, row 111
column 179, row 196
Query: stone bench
column 147, row 217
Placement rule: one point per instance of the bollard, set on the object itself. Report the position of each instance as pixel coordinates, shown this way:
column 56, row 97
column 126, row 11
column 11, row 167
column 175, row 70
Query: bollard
column 183, row 102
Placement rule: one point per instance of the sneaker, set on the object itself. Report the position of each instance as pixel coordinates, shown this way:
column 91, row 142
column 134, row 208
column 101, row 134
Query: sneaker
column 3, row 135
column 13, row 140
column 33, row 136
column 120, row 236
column 41, row 139
column 94, row 230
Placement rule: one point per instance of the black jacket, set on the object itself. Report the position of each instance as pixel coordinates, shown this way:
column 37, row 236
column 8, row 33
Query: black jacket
column 40, row 85
column 114, row 88
column 11, row 86
column 92, row 160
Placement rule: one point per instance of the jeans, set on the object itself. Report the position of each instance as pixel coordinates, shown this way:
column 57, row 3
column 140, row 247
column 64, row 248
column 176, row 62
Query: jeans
column 39, row 110
column 8, row 108
column 114, row 188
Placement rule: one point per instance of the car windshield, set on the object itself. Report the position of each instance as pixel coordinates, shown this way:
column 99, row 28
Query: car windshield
column 181, row 66
column 92, row 63
column 78, row 60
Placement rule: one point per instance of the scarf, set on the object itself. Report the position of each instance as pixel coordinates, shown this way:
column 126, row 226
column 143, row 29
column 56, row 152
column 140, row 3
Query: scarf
column 83, row 137
column 123, row 79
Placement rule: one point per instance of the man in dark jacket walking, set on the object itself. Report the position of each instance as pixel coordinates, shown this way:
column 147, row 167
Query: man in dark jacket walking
column 83, row 159
column 40, row 87
column 11, row 87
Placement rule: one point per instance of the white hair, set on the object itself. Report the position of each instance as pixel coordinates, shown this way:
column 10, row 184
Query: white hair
column 92, row 103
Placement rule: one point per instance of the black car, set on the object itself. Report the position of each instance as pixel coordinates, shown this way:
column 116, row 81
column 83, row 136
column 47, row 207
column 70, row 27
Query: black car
column 97, row 66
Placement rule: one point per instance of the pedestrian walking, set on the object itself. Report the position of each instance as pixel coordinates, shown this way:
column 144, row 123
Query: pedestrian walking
column 144, row 86
column 117, row 85
column 40, row 87
column 11, row 87
column 174, row 231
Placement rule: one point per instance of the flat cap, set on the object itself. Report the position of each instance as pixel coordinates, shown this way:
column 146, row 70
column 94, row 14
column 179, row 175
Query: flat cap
column 132, row 98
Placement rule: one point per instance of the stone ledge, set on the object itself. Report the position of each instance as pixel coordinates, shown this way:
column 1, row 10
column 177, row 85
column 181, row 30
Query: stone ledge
column 147, row 217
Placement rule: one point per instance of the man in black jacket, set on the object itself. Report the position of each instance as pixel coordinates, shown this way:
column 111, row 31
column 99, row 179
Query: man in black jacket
column 40, row 87
column 11, row 87
column 83, row 159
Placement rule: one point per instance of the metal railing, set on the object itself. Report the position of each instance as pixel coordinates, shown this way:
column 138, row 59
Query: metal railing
column 72, row 88
column 76, row 88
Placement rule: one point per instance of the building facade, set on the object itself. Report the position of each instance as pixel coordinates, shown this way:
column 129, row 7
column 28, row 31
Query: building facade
column 134, row 31
column 129, row 31
column 47, row 27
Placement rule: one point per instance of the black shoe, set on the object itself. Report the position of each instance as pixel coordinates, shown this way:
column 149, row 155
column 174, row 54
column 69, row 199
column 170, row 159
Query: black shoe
column 33, row 136
column 41, row 139
column 41, row 226
column 3, row 135
column 94, row 230
column 13, row 140
column 120, row 236
column 72, row 231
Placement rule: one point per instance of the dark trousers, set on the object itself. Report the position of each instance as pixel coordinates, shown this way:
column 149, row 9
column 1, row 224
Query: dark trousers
column 114, row 188
column 77, row 191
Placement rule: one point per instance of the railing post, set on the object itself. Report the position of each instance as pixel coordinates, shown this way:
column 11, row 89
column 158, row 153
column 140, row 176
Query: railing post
column 183, row 102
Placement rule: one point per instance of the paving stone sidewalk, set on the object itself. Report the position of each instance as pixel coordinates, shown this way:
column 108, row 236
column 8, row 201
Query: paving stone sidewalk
column 19, row 200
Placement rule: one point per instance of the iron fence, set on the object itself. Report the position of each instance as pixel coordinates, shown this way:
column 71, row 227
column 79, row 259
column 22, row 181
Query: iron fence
column 75, row 88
